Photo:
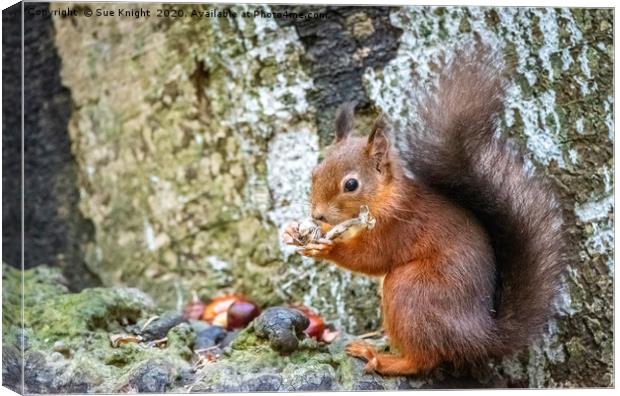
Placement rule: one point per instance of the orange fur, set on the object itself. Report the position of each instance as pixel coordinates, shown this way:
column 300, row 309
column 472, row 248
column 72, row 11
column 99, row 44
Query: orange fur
column 417, row 257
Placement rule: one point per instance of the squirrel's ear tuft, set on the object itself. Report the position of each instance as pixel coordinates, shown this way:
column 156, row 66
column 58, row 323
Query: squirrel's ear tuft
column 344, row 120
column 379, row 143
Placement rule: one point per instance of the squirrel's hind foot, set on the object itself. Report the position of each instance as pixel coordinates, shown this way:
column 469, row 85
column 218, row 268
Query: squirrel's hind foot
column 363, row 350
column 387, row 364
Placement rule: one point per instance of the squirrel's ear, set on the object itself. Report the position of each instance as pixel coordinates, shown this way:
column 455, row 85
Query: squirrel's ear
column 379, row 143
column 344, row 120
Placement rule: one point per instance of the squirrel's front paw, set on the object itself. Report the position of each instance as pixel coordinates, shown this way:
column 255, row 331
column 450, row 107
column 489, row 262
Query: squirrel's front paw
column 291, row 234
column 317, row 249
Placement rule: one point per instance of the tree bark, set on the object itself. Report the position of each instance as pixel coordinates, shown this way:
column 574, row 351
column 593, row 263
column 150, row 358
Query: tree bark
column 55, row 232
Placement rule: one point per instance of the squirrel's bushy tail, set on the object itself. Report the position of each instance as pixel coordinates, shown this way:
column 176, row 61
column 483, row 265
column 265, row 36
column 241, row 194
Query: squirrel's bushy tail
column 454, row 147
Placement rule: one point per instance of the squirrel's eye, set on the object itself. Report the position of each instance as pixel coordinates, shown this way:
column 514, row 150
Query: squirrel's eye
column 351, row 185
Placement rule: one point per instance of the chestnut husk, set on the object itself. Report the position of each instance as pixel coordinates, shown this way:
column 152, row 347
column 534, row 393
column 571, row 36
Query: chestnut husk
column 194, row 309
column 218, row 306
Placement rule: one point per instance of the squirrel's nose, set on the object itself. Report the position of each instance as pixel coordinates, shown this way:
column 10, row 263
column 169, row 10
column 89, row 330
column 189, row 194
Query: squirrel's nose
column 318, row 216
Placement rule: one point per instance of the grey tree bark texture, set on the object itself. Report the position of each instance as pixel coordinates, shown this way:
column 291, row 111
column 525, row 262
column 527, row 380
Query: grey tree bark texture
column 55, row 232
column 194, row 140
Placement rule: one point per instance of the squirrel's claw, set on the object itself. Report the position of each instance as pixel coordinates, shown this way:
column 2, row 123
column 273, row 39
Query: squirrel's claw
column 363, row 350
column 371, row 366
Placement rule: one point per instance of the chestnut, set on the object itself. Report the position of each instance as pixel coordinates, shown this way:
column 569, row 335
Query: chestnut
column 317, row 325
column 241, row 313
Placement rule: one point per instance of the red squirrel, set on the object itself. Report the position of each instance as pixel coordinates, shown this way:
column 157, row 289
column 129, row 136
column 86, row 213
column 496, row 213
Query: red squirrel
column 469, row 240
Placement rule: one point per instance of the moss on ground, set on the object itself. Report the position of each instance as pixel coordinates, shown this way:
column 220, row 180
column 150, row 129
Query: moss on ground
column 68, row 347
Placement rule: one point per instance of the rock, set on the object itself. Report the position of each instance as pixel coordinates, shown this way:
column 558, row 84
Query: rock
column 321, row 379
column 62, row 348
column 158, row 328
column 56, row 356
column 263, row 383
column 42, row 373
column 180, row 340
column 209, row 337
column 230, row 337
column 283, row 327
column 198, row 325
column 74, row 385
column 367, row 384
column 73, row 314
column 150, row 377
column 186, row 376
column 12, row 369
column 68, row 338
column 212, row 341
column 38, row 376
